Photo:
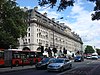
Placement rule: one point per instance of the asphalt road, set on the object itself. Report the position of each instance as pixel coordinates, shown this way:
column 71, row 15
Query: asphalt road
column 79, row 68
column 88, row 67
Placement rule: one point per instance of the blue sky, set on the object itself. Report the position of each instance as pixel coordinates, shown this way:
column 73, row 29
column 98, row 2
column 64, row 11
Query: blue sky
column 78, row 18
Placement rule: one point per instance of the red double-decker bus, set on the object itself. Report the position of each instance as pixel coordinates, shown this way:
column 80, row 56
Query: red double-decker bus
column 1, row 57
column 14, row 57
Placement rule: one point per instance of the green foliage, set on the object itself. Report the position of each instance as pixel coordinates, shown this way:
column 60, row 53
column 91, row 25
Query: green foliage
column 89, row 49
column 13, row 23
column 63, row 4
column 98, row 51
column 96, row 15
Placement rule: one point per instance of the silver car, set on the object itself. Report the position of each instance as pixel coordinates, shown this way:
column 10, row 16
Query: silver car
column 59, row 64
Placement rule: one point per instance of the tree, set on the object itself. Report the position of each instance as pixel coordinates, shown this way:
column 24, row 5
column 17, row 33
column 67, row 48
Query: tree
column 98, row 51
column 13, row 24
column 89, row 49
column 65, row 3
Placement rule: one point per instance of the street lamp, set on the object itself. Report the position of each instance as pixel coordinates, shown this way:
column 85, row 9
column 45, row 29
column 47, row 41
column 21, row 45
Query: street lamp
column 53, row 38
column 54, row 49
column 10, row 46
column 53, row 19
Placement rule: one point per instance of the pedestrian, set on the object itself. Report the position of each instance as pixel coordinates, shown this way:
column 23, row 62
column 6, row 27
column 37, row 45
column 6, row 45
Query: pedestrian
column 49, row 52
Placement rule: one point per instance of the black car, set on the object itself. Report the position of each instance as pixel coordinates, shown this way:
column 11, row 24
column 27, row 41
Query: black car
column 78, row 58
column 44, row 63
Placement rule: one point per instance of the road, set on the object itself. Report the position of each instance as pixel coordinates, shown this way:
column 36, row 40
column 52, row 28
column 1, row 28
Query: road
column 79, row 68
column 88, row 67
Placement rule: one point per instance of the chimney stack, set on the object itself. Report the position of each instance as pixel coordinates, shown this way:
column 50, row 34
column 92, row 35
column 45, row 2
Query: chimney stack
column 53, row 19
column 36, row 8
column 45, row 14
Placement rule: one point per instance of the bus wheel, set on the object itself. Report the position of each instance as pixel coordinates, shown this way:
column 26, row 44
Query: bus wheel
column 16, row 63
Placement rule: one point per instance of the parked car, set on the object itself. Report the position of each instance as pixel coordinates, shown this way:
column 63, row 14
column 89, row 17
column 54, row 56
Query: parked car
column 88, row 57
column 78, row 58
column 59, row 64
column 98, row 56
column 94, row 57
column 44, row 63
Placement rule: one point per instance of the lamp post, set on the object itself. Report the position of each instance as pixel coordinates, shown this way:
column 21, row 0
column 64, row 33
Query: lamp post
column 53, row 19
column 10, row 46
column 53, row 38
column 54, row 49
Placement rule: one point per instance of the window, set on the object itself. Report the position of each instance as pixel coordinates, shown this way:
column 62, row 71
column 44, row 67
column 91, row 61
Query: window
column 39, row 29
column 37, row 35
column 29, row 29
column 16, row 55
column 29, row 40
column 1, row 54
column 37, row 40
column 66, row 60
column 26, row 40
column 28, row 34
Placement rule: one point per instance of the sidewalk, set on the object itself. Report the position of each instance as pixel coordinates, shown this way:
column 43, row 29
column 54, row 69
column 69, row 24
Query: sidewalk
column 9, row 69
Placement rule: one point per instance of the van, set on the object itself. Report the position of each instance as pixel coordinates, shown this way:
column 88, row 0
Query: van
column 94, row 57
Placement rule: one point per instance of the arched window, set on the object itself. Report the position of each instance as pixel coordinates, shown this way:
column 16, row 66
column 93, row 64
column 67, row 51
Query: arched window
column 26, row 48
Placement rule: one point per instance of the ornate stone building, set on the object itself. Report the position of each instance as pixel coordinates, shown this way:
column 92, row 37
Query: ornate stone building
column 45, row 32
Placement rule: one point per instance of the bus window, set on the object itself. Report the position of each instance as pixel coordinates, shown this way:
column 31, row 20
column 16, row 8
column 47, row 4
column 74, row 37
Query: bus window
column 23, row 56
column 1, row 58
column 39, row 54
column 1, row 55
column 27, row 56
column 16, row 56
column 32, row 54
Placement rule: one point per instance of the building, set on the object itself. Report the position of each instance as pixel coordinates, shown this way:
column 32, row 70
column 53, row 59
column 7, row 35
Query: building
column 45, row 32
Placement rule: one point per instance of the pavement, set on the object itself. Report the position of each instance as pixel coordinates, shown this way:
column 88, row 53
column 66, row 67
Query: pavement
column 12, row 69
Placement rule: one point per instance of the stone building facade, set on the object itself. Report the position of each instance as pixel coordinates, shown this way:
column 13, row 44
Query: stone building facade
column 45, row 32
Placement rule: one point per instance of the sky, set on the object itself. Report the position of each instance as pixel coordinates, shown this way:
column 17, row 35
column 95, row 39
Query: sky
column 78, row 18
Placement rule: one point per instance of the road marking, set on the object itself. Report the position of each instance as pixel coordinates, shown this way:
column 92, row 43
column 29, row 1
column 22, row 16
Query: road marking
column 88, row 63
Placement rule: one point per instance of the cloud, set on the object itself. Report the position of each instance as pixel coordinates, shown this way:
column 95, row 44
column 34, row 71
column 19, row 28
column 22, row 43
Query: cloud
column 28, row 7
column 50, row 14
column 79, row 20
column 84, row 26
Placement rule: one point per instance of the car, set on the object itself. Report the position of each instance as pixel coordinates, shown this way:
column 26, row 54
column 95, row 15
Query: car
column 98, row 56
column 88, row 57
column 78, row 58
column 94, row 57
column 59, row 64
column 43, row 63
